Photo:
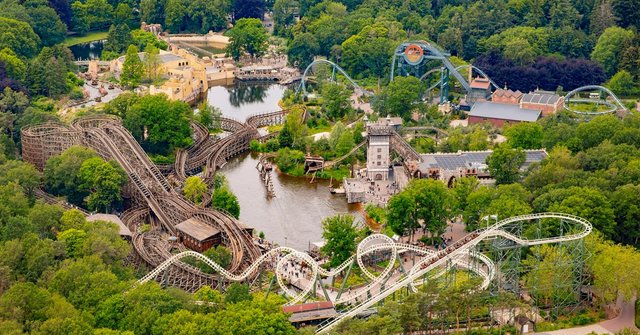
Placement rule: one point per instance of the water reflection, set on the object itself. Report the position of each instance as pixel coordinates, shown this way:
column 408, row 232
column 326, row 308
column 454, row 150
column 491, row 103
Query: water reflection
column 294, row 217
column 242, row 94
column 90, row 50
column 241, row 100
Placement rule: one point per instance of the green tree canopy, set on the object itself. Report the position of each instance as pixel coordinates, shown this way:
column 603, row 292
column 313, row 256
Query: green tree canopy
column 247, row 36
column 400, row 97
column 340, row 233
column 161, row 125
column 132, row 68
column 504, row 164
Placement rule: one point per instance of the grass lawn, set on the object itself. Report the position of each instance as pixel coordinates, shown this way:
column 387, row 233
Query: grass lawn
column 89, row 37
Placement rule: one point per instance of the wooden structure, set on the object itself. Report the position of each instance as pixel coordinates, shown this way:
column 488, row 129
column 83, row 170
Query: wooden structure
column 151, row 197
column 310, row 313
column 197, row 236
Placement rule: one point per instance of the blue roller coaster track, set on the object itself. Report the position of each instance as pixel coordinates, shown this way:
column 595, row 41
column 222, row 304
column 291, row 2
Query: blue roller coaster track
column 302, row 87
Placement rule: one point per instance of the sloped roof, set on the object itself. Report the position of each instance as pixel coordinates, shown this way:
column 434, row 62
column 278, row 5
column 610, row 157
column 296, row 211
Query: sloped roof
column 481, row 83
column 494, row 110
column 124, row 230
column 467, row 159
column 197, row 229
column 541, row 98
column 507, row 93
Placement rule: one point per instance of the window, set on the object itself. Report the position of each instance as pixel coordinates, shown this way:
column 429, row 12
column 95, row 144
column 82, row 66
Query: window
column 379, row 149
column 378, row 163
column 379, row 156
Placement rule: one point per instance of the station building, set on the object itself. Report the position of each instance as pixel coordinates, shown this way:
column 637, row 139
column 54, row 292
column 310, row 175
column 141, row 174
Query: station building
column 449, row 167
column 500, row 114
column 197, row 235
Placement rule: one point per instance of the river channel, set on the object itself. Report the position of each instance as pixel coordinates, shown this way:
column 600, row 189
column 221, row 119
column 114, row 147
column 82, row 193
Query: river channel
column 293, row 217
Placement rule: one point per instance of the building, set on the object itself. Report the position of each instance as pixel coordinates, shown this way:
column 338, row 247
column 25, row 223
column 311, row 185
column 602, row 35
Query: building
column 197, row 235
column 506, row 96
column 378, row 158
column 188, row 76
column 480, row 89
column 310, row 313
column 547, row 102
column 123, row 229
column 449, row 167
column 500, row 114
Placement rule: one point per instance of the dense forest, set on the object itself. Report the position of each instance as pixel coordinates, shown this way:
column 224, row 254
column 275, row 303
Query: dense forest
column 62, row 275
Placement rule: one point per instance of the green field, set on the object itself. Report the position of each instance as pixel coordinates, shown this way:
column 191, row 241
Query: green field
column 89, row 37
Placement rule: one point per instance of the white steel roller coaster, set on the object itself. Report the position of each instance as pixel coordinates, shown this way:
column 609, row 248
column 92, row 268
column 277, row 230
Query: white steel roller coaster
column 461, row 253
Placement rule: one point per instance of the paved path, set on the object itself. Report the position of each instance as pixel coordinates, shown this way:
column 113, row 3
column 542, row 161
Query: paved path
column 624, row 320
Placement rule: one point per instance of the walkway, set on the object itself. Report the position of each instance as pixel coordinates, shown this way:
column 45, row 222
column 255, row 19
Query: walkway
column 624, row 320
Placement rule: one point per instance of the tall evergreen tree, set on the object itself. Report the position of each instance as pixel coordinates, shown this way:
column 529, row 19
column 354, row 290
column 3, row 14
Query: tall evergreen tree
column 132, row 69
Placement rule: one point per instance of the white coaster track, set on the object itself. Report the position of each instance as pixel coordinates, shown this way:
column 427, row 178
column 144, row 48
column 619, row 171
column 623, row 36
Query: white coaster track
column 461, row 253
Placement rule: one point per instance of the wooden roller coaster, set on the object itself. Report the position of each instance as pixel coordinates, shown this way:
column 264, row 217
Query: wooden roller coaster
column 151, row 196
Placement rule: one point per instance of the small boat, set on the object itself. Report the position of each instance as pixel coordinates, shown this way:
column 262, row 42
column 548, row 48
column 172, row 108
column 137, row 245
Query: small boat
column 339, row 190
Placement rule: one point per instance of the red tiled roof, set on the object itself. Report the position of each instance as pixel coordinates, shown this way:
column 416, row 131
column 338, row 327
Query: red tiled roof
column 481, row 83
column 312, row 306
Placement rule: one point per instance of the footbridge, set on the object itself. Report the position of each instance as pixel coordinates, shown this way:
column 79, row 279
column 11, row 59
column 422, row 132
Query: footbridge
column 396, row 274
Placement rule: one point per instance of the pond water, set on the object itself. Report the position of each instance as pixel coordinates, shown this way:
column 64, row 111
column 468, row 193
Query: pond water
column 244, row 99
column 294, row 216
column 90, row 50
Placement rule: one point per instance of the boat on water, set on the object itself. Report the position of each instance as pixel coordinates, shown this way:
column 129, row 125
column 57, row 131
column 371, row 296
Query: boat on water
column 338, row 190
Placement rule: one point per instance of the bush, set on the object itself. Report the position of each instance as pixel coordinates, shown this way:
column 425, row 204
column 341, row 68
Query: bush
column 76, row 94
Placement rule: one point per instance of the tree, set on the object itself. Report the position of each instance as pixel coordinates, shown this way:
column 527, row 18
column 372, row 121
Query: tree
column 369, row 52
column 627, row 12
column 463, row 188
column 340, row 233
column 247, row 36
column 159, row 124
column 424, row 202
column 118, row 39
column 399, row 97
column 195, row 189
column 104, row 180
column 302, row 48
column 151, row 62
column 237, row 293
column 248, row 9
column 19, row 37
column 220, row 255
column 224, row 199
column 335, row 100
column 602, row 17
column 123, row 14
column 525, row 135
column 209, row 115
column 622, row 84
column 47, row 25
column 627, row 214
column 14, row 66
column 613, row 266
column 132, row 68
column 504, row 164
column 563, row 14
column 283, row 16
column 62, row 173
column 609, row 47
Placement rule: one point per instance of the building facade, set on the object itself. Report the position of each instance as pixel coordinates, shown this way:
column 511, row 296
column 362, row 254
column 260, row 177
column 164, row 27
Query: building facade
column 378, row 159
